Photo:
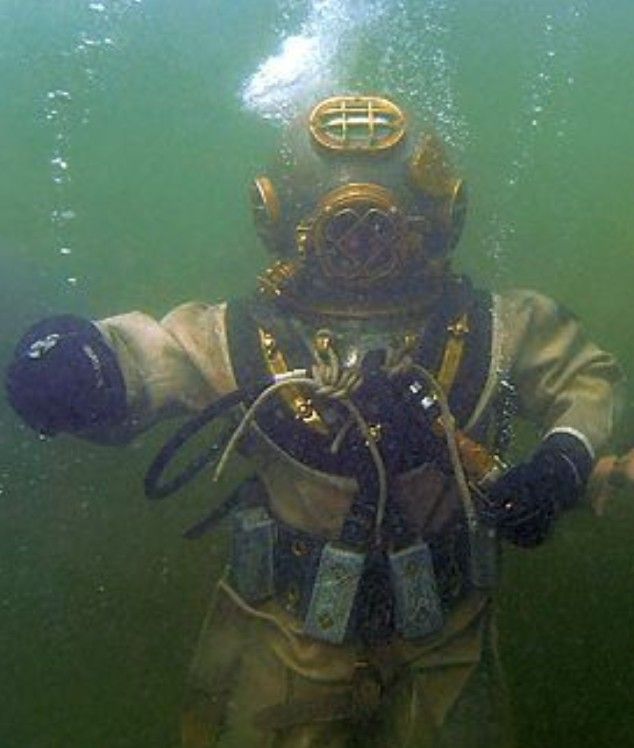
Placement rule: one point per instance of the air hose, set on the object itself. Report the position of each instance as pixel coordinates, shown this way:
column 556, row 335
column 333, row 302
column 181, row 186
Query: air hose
column 154, row 488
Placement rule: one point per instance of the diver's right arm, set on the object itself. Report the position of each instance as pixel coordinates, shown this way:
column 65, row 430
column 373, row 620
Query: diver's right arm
column 108, row 380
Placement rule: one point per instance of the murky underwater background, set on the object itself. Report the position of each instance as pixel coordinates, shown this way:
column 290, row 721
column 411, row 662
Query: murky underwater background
column 128, row 132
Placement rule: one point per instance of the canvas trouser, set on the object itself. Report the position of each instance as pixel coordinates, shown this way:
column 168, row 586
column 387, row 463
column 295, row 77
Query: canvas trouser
column 255, row 681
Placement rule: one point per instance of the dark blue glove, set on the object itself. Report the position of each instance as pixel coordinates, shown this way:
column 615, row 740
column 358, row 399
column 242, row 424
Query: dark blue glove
column 64, row 377
column 525, row 500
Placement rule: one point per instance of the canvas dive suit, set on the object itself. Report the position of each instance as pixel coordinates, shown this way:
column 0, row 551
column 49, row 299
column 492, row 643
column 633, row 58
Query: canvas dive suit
column 256, row 675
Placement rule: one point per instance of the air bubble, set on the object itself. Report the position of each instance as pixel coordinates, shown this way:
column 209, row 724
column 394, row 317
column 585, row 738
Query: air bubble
column 59, row 95
column 62, row 215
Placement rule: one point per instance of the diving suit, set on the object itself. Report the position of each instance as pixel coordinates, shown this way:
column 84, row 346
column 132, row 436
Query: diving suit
column 379, row 388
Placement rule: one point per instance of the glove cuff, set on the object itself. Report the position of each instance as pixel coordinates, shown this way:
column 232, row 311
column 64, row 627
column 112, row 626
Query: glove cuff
column 574, row 464
column 575, row 449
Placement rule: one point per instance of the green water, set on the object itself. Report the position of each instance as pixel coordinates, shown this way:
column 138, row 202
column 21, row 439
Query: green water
column 125, row 151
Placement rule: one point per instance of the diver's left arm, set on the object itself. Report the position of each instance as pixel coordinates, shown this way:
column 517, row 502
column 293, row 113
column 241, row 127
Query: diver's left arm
column 572, row 390
column 110, row 379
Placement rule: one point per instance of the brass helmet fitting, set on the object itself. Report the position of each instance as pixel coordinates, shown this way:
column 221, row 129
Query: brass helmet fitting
column 357, row 201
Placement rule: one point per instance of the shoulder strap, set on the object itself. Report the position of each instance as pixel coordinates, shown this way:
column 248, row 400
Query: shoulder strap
column 456, row 346
column 244, row 343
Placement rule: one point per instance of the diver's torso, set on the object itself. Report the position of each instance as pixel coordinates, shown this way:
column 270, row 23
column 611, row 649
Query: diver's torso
column 312, row 455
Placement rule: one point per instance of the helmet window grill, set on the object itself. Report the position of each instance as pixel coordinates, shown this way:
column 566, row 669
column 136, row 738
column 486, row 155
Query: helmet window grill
column 357, row 124
column 357, row 236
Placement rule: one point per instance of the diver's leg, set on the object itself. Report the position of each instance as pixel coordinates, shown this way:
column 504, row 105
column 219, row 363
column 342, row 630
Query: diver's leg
column 482, row 717
column 212, row 675
column 415, row 714
column 242, row 695
column 451, row 696
column 275, row 707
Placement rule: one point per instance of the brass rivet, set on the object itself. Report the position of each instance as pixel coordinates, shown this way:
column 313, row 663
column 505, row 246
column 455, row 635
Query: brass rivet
column 304, row 409
column 269, row 344
column 459, row 328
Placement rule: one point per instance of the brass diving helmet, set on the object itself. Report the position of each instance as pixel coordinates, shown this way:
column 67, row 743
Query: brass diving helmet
column 359, row 209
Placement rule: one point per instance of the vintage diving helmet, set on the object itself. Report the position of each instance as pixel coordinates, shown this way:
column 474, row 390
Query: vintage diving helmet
column 360, row 210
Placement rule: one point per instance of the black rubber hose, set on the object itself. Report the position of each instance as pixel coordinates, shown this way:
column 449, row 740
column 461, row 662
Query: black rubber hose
column 154, row 489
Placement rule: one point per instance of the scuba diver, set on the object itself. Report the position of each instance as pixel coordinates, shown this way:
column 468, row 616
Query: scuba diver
column 373, row 389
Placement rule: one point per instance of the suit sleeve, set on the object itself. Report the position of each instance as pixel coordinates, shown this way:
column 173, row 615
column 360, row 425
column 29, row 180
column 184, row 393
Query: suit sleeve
column 564, row 382
column 173, row 366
